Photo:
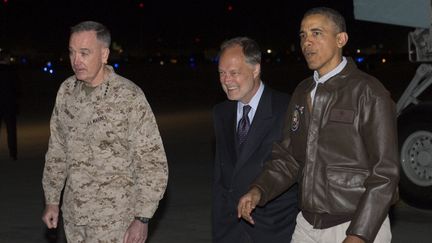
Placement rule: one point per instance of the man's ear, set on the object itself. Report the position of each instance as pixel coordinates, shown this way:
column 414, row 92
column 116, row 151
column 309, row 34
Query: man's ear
column 257, row 70
column 341, row 39
column 105, row 55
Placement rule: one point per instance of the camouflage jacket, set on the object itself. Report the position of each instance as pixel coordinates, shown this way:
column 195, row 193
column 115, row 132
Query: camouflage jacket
column 105, row 146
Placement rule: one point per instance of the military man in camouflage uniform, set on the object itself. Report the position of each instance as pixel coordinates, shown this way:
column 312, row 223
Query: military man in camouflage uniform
column 104, row 150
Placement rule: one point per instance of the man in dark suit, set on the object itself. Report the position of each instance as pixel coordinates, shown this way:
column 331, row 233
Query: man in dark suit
column 246, row 125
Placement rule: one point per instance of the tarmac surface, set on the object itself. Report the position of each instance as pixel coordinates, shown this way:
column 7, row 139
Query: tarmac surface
column 184, row 213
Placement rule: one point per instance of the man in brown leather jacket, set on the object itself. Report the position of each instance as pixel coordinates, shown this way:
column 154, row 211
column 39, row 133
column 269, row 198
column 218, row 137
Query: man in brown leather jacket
column 339, row 143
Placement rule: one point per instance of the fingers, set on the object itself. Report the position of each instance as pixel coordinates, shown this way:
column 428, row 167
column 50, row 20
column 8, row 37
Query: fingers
column 50, row 218
column 50, row 221
column 131, row 239
column 245, row 208
column 126, row 236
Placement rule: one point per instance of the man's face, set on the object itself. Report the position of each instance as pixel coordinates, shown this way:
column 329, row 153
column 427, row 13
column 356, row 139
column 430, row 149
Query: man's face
column 320, row 44
column 239, row 79
column 87, row 56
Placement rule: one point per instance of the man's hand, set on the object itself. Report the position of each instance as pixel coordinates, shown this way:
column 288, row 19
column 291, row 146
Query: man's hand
column 353, row 239
column 136, row 233
column 247, row 204
column 50, row 216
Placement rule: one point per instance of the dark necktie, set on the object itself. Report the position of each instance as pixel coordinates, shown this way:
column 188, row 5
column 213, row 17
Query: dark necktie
column 243, row 125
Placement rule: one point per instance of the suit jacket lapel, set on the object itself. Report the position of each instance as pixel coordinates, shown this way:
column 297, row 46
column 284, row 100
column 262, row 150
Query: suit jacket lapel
column 260, row 126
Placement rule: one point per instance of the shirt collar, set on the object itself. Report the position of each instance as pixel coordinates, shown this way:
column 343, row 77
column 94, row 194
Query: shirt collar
column 330, row 74
column 253, row 103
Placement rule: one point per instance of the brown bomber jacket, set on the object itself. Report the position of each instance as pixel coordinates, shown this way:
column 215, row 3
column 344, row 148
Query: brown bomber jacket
column 343, row 153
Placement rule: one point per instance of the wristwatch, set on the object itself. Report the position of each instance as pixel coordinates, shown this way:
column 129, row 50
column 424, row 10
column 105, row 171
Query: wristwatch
column 143, row 220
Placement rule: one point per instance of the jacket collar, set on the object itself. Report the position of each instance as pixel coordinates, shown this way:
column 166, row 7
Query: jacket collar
column 336, row 82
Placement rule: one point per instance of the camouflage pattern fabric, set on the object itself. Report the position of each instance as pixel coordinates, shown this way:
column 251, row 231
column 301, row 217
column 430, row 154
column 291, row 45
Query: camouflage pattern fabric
column 109, row 233
column 106, row 152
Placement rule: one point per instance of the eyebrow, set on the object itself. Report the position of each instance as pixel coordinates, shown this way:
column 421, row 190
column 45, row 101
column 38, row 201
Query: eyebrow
column 313, row 29
column 317, row 29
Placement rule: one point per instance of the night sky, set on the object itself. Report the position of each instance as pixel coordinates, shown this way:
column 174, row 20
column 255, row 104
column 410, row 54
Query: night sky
column 173, row 26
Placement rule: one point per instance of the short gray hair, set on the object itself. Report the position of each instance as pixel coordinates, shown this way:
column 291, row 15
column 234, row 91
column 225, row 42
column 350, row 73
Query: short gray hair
column 102, row 32
column 250, row 48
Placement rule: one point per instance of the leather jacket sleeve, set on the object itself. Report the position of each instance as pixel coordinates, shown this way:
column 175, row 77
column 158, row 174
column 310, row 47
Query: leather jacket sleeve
column 281, row 172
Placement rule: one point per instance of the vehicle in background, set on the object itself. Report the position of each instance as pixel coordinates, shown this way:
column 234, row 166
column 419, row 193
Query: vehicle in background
column 414, row 115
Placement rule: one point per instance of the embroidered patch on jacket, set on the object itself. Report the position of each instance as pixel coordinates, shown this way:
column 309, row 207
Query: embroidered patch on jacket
column 295, row 121
column 342, row 115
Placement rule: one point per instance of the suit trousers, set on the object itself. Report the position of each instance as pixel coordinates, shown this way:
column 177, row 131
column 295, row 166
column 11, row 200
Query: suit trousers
column 109, row 233
column 305, row 233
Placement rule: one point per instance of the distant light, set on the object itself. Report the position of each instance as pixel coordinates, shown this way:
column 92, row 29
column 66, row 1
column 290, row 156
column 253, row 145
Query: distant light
column 173, row 61
column 23, row 60
column 191, row 59
column 49, row 64
column 5, row 1
column 141, row 5
column 383, row 60
column 161, row 63
column 12, row 59
column 358, row 50
column 45, row 69
column 51, row 71
column 230, row 8
column 269, row 51
column 116, row 65
column 360, row 59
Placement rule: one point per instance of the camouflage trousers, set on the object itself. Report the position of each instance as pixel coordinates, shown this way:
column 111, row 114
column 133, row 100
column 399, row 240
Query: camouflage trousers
column 110, row 233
